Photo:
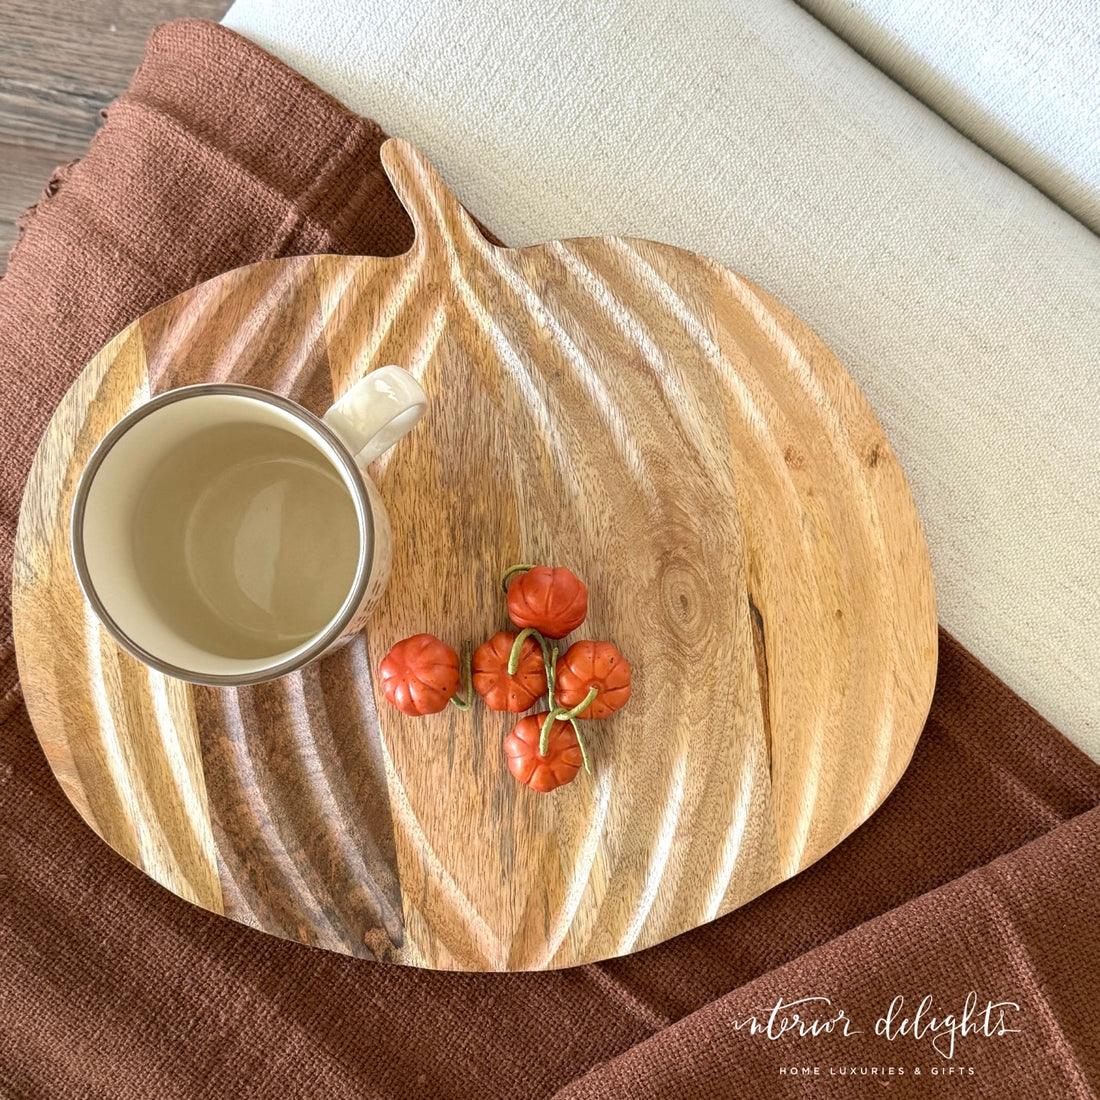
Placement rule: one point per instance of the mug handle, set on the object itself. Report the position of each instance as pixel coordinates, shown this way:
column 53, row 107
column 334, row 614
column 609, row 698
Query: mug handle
column 376, row 412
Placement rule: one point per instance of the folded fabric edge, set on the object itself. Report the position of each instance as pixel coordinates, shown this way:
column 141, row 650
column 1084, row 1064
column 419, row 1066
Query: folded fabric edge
column 1066, row 854
column 873, row 35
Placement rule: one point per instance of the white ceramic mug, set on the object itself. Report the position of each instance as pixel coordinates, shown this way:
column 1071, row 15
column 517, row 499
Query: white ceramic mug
column 215, row 505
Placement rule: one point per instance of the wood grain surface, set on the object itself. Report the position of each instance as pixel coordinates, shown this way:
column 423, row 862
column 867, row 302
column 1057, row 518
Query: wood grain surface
column 628, row 409
column 60, row 64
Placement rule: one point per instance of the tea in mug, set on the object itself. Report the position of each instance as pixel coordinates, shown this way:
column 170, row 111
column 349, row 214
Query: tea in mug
column 246, row 540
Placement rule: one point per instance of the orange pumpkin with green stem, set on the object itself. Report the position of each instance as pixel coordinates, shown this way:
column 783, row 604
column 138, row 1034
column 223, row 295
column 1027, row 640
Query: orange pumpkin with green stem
column 420, row 675
column 507, row 675
column 592, row 665
column 543, row 768
column 552, row 601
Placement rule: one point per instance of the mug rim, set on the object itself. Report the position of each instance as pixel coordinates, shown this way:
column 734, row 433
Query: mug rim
column 364, row 513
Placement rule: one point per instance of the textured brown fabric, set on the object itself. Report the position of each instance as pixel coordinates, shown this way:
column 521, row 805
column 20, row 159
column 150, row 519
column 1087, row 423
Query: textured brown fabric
column 979, row 873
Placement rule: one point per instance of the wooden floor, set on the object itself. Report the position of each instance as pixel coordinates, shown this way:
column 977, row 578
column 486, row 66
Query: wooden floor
column 59, row 64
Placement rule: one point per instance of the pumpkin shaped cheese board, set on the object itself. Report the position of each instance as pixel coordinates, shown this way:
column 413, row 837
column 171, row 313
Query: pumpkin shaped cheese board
column 635, row 412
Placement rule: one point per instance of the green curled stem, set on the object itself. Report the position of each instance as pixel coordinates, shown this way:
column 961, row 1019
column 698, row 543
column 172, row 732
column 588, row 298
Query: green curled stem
column 583, row 747
column 510, row 572
column 564, row 714
column 517, row 645
column 466, row 700
column 544, row 734
column 550, row 663
column 581, row 707
column 550, row 660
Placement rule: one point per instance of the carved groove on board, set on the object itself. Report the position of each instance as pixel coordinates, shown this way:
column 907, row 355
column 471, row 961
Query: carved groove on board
column 294, row 775
column 629, row 409
column 137, row 783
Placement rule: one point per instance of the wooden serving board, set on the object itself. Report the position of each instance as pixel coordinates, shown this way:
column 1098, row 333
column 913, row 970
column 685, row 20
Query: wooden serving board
column 628, row 409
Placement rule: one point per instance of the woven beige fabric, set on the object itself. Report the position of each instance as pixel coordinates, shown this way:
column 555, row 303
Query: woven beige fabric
column 1019, row 77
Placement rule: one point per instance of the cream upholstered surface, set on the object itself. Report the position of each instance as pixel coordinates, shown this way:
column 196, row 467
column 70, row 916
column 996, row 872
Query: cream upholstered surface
column 1020, row 77
column 964, row 302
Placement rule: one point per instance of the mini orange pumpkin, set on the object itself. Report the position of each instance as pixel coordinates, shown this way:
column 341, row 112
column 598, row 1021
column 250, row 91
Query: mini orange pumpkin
column 552, row 601
column 420, row 674
column 503, row 691
column 543, row 772
column 586, row 665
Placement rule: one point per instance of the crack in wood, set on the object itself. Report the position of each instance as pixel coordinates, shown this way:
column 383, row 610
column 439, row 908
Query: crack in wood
column 761, row 653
